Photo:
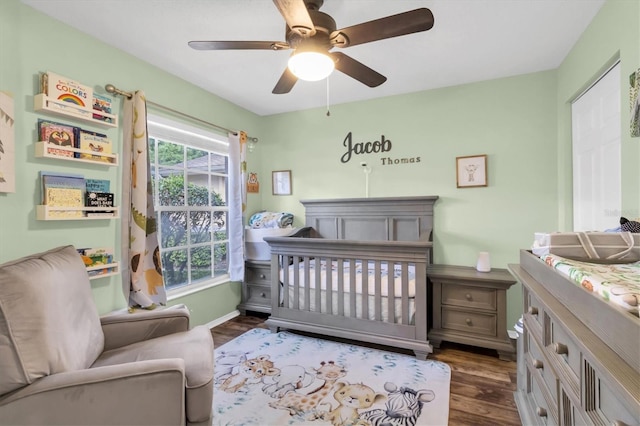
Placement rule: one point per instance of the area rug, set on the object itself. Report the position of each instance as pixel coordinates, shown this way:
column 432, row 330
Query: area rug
column 264, row 378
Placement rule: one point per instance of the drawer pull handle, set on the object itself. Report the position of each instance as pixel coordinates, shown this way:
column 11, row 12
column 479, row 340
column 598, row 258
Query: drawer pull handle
column 538, row 364
column 262, row 276
column 560, row 348
column 468, row 296
column 468, row 321
column 533, row 310
column 541, row 412
column 262, row 294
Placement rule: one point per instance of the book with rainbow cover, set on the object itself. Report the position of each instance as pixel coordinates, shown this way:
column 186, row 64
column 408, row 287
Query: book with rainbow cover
column 65, row 89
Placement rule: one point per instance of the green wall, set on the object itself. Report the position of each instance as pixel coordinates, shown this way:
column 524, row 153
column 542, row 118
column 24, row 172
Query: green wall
column 522, row 123
column 613, row 35
column 31, row 43
column 512, row 120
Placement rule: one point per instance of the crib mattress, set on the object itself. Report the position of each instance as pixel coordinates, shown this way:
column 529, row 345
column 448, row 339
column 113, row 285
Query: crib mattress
column 364, row 272
column 618, row 284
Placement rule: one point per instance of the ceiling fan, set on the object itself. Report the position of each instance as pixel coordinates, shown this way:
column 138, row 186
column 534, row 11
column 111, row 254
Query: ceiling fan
column 312, row 34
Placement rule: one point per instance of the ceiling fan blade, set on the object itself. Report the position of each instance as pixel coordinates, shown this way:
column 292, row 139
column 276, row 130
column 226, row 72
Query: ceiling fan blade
column 238, row 45
column 405, row 23
column 357, row 70
column 296, row 15
column 286, row 83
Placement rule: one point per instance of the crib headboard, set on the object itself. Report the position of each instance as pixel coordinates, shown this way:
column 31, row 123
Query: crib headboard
column 372, row 219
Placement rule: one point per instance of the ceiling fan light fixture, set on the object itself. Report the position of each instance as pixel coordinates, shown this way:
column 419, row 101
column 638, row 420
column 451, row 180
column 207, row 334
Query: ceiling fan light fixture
column 311, row 65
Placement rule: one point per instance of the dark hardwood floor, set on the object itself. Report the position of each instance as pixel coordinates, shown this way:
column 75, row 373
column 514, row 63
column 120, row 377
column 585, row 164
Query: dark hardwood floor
column 482, row 386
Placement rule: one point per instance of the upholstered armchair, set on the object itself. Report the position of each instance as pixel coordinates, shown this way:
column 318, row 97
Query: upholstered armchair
column 61, row 364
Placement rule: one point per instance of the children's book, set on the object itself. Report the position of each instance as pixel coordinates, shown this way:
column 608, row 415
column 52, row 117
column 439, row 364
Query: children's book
column 61, row 180
column 64, row 197
column 58, row 134
column 102, row 103
column 98, row 185
column 92, row 144
column 65, row 89
column 99, row 199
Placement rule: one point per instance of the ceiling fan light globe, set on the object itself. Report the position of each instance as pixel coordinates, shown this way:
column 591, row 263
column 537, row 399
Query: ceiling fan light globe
column 311, row 66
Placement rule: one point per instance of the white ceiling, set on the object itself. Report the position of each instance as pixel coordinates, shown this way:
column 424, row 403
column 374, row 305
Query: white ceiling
column 472, row 40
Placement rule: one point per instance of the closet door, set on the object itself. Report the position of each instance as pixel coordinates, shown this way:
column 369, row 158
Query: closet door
column 597, row 185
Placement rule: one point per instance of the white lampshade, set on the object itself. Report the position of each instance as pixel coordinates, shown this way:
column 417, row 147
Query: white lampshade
column 311, row 66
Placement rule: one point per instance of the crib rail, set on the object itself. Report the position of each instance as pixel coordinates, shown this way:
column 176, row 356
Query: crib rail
column 307, row 296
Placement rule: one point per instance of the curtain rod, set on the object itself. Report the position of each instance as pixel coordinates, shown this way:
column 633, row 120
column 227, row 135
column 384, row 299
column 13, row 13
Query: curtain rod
column 115, row 91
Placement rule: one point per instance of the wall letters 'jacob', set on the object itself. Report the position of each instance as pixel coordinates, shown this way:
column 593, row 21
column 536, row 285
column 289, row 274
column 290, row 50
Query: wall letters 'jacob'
column 383, row 145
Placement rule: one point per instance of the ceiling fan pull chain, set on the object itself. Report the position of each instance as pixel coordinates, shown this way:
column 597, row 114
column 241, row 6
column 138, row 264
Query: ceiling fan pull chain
column 328, row 112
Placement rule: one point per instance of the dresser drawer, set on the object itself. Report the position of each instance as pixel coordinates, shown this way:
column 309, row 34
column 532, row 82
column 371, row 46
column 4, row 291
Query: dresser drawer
column 562, row 346
column 257, row 274
column 474, row 297
column 533, row 307
column 545, row 410
column 469, row 322
column 541, row 367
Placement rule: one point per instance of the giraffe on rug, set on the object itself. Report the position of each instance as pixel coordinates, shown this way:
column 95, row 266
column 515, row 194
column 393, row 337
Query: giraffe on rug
column 298, row 403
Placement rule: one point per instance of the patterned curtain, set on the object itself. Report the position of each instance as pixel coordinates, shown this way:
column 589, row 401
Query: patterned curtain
column 237, row 203
column 143, row 283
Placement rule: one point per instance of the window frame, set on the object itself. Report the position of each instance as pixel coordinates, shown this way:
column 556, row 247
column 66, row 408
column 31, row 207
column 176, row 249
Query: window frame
column 177, row 132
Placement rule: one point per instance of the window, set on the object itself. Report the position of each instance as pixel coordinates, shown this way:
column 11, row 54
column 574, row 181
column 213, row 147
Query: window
column 597, row 158
column 189, row 168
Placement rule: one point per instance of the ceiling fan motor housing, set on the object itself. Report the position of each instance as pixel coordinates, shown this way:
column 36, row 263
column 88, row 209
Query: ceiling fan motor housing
column 324, row 25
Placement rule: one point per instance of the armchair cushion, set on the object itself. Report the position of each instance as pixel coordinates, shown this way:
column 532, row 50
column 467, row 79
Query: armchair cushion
column 195, row 347
column 86, row 397
column 48, row 320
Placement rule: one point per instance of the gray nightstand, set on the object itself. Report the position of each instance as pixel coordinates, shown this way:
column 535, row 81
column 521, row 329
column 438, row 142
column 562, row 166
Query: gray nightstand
column 470, row 307
column 256, row 287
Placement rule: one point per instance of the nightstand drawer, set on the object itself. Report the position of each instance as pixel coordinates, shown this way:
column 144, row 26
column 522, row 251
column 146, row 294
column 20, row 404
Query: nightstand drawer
column 257, row 275
column 469, row 322
column 259, row 294
column 473, row 297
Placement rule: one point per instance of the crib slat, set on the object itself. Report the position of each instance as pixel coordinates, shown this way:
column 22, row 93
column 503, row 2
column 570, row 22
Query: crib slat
column 329, row 287
column 378, row 291
column 296, row 283
column 365, row 289
column 340, row 287
column 318, row 284
column 307, row 284
column 352, row 288
column 284, row 289
column 391, row 301
column 405, row 293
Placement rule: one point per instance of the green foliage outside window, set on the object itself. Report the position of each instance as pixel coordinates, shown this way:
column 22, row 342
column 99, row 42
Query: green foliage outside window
column 191, row 226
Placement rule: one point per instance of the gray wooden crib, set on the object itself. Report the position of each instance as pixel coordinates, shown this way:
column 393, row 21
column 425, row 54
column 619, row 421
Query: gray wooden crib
column 358, row 270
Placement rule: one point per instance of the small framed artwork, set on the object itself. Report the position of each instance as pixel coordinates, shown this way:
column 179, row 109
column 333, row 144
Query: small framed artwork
column 471, row 171
column 281, row 182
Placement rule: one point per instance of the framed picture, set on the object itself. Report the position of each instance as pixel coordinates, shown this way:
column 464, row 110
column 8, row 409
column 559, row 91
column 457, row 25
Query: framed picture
column 7, row 144
column 471, row 171
column 281, row 182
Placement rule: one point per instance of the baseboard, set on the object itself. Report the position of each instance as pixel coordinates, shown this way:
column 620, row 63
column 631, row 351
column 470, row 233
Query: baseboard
column 223, row 319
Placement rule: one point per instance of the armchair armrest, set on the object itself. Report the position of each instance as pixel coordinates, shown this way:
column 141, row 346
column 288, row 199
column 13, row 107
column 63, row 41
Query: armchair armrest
column 122, row 328
column 146, row 392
